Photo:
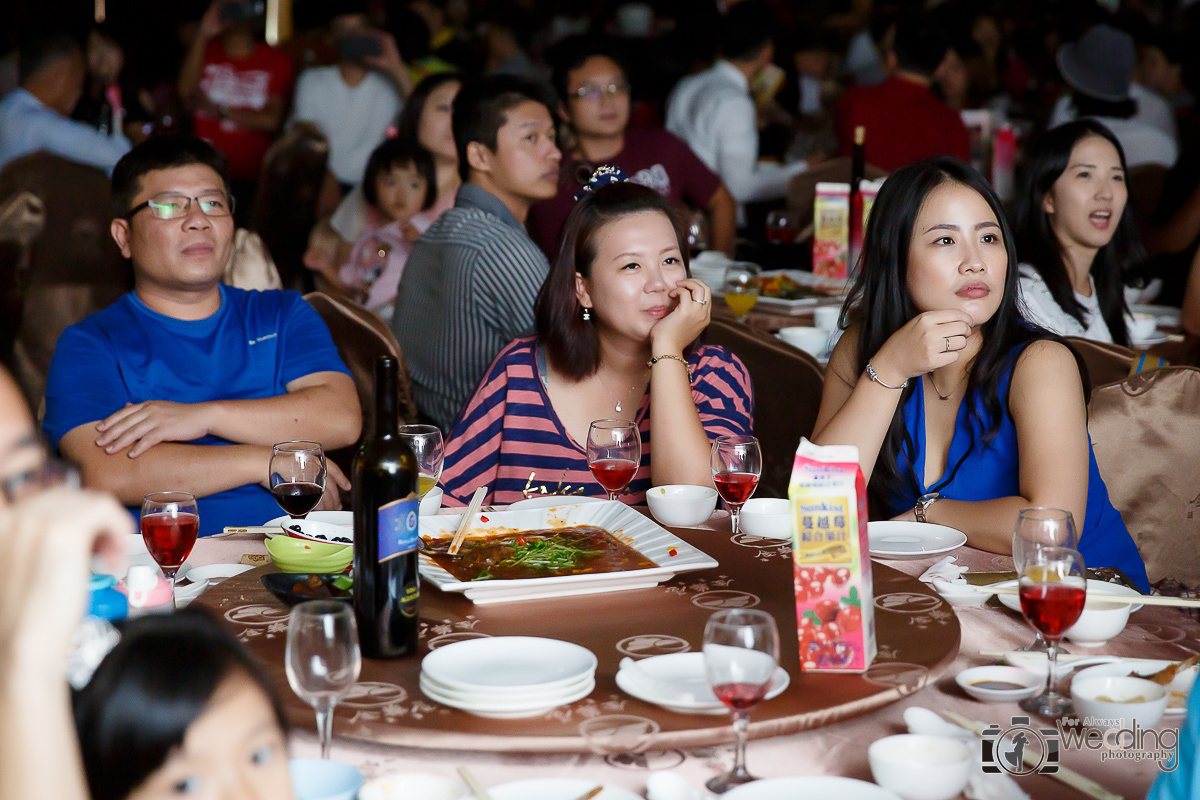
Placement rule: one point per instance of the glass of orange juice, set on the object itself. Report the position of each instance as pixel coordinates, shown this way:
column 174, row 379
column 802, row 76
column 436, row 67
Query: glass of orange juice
column 741, row 288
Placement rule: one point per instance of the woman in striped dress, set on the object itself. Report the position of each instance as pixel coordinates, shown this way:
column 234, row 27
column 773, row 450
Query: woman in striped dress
column 617, row 323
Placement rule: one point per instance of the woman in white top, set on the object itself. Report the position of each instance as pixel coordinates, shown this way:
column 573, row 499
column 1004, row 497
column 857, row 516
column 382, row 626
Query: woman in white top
column 1076, row 233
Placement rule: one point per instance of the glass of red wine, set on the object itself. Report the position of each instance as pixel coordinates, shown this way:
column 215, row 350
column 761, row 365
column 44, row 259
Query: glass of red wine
column 170, row 525
column 1053, row 590
column 1038, row 527
column 614, row 451
column 736, row 465
column 297, row 476
column 783, row 225
column 741, row 653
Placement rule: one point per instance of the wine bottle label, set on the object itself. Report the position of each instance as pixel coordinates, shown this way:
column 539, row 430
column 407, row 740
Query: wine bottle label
column 398, row 528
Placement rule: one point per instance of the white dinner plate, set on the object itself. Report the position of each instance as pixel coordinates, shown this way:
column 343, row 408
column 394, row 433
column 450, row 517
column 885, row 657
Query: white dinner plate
column 552, row 501
column 556, row 789
column 215, row 573
column 492, row 694
column 817, row 786
column 683, row 685
column 343, row 518
column 896, row 539
column 499, row 710
column 1177, row 691
column 1014, row 602
column 829, row 289
column 1158, row 337
column 1166, row 315
column 516, row 662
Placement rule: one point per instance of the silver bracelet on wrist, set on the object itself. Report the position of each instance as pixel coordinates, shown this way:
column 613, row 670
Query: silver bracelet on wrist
column 873, row 375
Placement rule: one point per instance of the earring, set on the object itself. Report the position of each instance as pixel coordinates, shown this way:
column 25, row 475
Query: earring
column 587, row 314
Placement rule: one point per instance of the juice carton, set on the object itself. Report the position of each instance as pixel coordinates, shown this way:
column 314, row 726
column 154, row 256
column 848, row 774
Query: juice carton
column 831, row 229
column 832, row 569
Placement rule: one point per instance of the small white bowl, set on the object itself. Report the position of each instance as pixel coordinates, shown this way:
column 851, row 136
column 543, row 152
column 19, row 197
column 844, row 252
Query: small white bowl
column 322, row 779
column 810, row 339
column 1100, row 621
column 973, row 681
column 768, row 517
column 1142, row 326
column 826, row 317
column 431, row 503
column 413, row 786
column 1122, row 715
column 920, row 767
column 680, row 505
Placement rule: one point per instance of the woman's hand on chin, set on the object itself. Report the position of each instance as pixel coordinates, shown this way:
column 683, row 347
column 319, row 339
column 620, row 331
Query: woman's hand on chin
column 674, row 332
column 930, row 340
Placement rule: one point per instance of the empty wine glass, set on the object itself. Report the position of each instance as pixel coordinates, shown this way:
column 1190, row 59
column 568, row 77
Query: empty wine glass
column 782, row 226
column 697, row 233
column 740, row 287
column 297, row 474
column 427, row 445
column 736, row 465
column 741, row 653
column 614, row 451
column 1053, row 590
column 1038, row 527
column 170, row 524
column 322, row 659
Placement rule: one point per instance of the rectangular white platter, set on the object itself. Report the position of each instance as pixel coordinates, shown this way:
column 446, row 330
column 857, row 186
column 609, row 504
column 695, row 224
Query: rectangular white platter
column 636, row 530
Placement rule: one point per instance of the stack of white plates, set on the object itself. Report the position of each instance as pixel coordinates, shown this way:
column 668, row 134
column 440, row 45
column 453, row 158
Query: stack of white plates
column 678, row 683
column 508, row 677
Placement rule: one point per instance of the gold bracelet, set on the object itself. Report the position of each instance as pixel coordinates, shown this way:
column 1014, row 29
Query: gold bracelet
column 683, row 361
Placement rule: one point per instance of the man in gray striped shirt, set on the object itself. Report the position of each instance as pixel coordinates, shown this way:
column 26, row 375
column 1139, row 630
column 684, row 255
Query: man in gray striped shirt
column 469, row 285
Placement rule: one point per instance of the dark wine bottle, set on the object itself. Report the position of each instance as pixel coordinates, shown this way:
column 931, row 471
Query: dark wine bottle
column 386, row 507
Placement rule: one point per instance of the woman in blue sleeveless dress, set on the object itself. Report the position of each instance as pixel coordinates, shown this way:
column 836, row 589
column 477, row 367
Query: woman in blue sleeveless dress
column 962, row 413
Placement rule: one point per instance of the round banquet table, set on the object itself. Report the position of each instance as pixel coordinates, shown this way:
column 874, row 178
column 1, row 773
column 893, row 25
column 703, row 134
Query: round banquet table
column 819, row 726
column 918, row 637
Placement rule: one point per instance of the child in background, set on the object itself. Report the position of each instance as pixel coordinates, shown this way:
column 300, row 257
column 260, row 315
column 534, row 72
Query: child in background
column 398, row 184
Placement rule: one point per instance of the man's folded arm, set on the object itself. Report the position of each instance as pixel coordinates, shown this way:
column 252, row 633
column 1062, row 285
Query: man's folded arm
column 202, row 470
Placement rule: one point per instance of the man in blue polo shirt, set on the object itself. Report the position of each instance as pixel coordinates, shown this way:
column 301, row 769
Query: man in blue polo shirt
column 185, row 384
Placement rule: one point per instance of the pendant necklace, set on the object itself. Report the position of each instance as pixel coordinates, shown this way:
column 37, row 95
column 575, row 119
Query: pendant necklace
column 618, row 400
column 952, row 391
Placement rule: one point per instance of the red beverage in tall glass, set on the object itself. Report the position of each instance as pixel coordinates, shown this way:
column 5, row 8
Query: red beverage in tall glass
column 1052, row 607
column 740, row 696
column 614, row 474
column 735, row 487
column 170, row 538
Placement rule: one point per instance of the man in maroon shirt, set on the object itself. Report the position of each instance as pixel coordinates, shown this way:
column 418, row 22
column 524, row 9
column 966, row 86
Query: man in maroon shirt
column 595, row 96
column 904, row 120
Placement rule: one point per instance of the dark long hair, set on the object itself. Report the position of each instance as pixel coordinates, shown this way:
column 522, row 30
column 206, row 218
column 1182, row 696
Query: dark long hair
column 1041, row 248
column 409, row 125
column 881, row 304
column 571, row 343
column 148, row 690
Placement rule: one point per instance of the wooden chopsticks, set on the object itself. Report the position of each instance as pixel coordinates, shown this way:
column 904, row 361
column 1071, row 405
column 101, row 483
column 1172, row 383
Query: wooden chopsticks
column 1107, row 597
column 465, row 523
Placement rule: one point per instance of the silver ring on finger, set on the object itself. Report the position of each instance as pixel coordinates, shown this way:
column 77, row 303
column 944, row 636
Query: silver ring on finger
column 947, row 350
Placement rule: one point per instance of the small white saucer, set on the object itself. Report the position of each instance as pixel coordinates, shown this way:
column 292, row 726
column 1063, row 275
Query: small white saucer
column 970, row 680
column 682, row 685
column 897, row 539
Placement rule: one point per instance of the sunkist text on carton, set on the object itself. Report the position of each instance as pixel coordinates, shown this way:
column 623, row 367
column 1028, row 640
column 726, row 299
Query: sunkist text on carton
column 831, row 563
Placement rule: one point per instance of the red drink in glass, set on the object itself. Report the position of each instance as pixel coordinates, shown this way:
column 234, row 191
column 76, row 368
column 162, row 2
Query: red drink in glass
column 298, row 497
column 614, row 474
column 740, row 696
column 1052, row 607
column 735, row 487
column 170, row 537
